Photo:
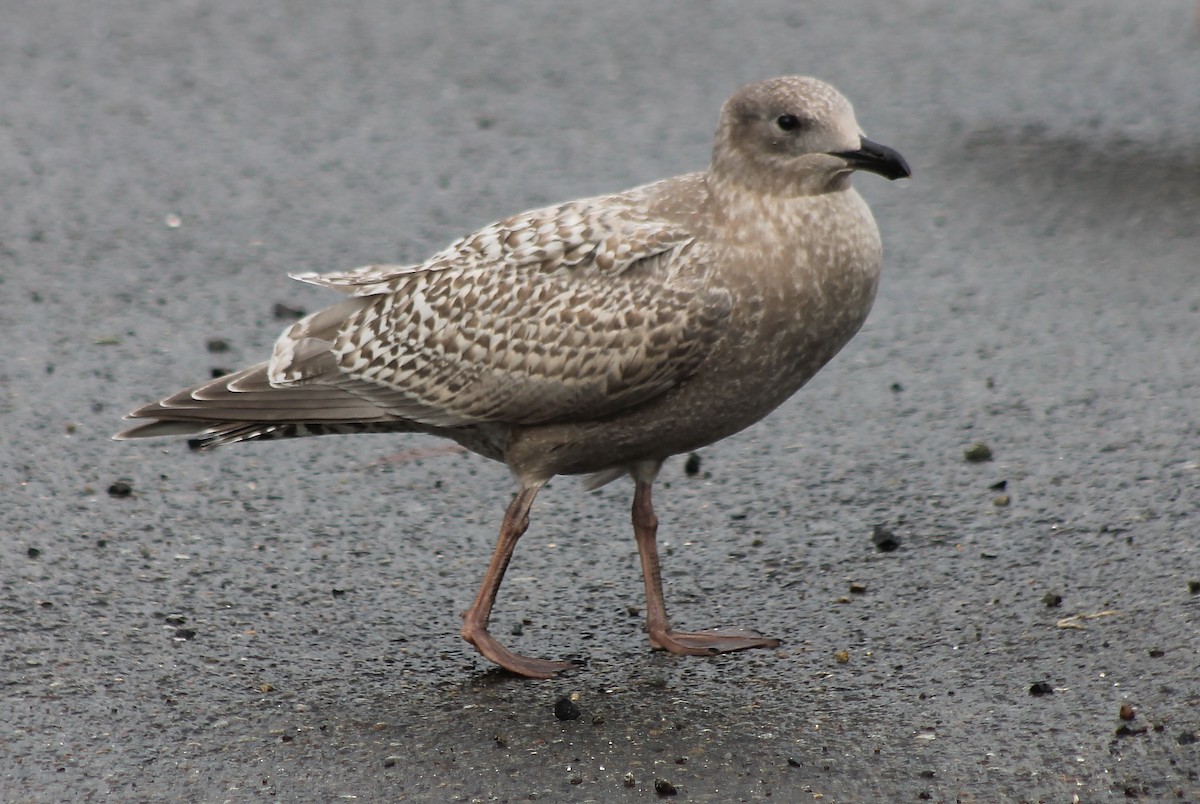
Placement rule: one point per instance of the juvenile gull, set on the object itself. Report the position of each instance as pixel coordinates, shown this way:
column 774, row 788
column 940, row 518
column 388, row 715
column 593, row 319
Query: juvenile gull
column 596, row 337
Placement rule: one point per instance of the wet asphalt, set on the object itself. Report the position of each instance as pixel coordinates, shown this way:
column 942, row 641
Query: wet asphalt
column 279, row 621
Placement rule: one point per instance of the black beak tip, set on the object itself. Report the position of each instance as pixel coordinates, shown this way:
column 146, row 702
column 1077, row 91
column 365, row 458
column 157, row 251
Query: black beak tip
column 880, row 159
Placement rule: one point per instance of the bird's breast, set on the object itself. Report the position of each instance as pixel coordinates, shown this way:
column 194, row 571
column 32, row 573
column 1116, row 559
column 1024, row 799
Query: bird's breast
column 808, row 270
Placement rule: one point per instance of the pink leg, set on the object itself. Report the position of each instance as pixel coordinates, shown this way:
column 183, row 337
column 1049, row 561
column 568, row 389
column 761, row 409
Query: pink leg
column 695, row 643
column 475, row 619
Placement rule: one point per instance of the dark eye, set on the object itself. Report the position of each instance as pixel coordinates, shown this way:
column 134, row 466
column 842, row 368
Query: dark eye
column 788, row 122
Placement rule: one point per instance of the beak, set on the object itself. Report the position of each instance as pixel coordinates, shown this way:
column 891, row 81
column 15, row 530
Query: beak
column 876, row 158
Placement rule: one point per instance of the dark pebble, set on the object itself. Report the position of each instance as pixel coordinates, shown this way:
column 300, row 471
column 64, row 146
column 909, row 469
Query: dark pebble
column 897, row 388
column 184, row 633
column 885, row 541
column 215, row 372
column 1126, row 731
column 1187, row 738
column 518, row 629
column 795, row 763
column 1041, row 688
column 121, row 488
column 216, row 345
column 565, row 709
column 1194, row 587
column 1052, row 600
column 33, row 552
column 1157, row 653
column 1127, row 712
column 692, row 466
column 337, row 592
column 501, row 741
column 284, row 311
column 664, row 788
column 978, row 452
column 1000, row 486
column 175, row 619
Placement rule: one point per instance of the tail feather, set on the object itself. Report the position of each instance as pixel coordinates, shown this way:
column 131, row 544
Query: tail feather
column 245, row 406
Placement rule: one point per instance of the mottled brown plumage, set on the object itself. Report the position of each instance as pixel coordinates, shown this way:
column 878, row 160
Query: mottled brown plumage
column 600, row 336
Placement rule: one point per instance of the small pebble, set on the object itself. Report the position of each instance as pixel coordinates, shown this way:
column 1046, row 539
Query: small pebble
column 287, row 312
column 978, row 452
column 999, row 486
column 858, row 588
column 216, row 345
column 1001, row 500
column 664, row 788
column 885, row 541
column 1194, row 587
column 629, row 780
column 120, row 488
column 1041, row 688
column 1186, row 738
column 1052, row 600
column 1127, row 712
column 33, row 552
column 692, row 466
column 842, row 656
column 565, row 709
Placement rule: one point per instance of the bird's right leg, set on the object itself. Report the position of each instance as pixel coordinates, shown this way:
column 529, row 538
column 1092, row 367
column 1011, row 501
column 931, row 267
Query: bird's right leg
column 662, row 636
column 475, row 619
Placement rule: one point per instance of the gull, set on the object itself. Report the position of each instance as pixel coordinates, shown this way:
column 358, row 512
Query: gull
column 597, row 337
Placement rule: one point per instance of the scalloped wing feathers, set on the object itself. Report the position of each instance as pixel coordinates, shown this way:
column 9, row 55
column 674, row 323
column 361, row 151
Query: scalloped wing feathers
column 562, row 314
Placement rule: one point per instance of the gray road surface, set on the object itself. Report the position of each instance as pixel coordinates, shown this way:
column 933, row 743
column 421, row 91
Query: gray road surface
column 280, row 621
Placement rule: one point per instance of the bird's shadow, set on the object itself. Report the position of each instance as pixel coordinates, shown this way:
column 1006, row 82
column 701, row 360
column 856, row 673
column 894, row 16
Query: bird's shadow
column 1066, row 182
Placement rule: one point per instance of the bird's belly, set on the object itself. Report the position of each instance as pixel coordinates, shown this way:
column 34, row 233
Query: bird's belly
column 795, row 331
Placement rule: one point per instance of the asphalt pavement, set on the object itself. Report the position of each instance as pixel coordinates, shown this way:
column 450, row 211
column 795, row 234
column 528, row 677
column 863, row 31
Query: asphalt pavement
column 280, row 621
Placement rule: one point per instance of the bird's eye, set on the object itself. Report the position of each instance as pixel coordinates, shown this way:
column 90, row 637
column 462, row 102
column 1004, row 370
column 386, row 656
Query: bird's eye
column 788, row 122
